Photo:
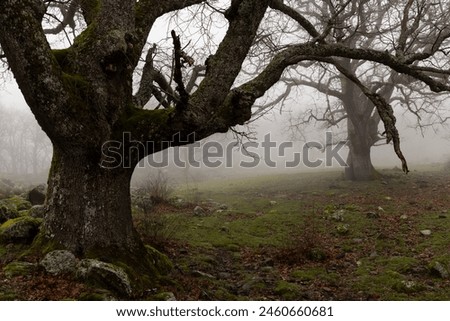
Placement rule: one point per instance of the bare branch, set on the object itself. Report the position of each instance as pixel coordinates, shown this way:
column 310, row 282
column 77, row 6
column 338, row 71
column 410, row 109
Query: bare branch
column 178, row 74
column 68, row 14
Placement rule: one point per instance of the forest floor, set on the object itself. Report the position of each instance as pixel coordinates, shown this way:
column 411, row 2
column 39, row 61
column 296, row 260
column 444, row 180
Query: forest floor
column 312, row 236
column 305, row 236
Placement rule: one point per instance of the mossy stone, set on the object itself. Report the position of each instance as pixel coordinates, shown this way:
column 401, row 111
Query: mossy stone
column 19, row 203
column 160, row 261
column 21, row 230
column 105, row 275
column 288, row 291
column 18, row 268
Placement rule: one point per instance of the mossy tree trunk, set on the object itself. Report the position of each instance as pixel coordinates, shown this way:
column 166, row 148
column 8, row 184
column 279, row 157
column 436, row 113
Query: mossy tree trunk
column 82, row 97
column 89, row 206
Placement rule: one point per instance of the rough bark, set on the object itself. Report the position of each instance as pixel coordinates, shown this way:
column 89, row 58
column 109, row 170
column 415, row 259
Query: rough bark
column 359, row 161
column 82, row 98
column 89, row 207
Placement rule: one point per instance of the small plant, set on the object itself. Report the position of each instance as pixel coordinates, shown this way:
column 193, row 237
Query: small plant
column 157, row 188
column 152, row 201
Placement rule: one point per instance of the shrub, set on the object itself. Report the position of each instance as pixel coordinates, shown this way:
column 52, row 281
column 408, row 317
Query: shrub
column 152, row 201
column 157, row 187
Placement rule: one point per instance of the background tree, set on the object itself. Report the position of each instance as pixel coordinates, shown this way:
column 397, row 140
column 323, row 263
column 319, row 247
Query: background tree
column 25, row 150
column 401, row 27
column 82, row 97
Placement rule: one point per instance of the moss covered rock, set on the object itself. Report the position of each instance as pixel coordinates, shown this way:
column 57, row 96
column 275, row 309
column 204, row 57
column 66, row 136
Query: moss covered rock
column 10, row 207
column 59, row 262
column 19, row 203
column 105, row 275
column 37, row 195
column 160, row 261
column 7, row 212
column 20, row 230
column 18, row 268
column 439, row 269
column 97, row 295
column 37, row 211
column 288, row 291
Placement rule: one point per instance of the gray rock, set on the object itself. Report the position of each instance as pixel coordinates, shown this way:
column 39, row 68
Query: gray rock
column 59, row 262
column 20, row 230
column 37, row 211
column 223, row 207
column 199, row 211
column 37, row 195
column 439, row 270
column 273, row 203
column 104, row 274
column 425, row 232
column 337, row 216
column 404, row 217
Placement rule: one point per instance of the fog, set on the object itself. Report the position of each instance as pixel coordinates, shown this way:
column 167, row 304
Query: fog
column 25, row 151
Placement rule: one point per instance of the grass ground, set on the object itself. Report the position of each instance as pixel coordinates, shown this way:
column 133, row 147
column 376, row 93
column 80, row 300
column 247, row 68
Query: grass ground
column 312, row 236
column 305, row 236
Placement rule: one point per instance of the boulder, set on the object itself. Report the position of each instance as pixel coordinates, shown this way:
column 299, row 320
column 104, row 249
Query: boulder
column 106, row 275
column 425, row 232
column 18, row 202
column 20, row 230
column 37, row 211
column 439, row 270
column 160, row 261
column 199, row 211
column 37, row 195
column 10, row 208
column 7, row 212
column 18, row 268
column 59, row 262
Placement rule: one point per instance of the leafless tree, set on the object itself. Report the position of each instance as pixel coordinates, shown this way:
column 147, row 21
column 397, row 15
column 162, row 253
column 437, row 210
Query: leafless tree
column 400, row 27
column 82, row 95
column 25, row 150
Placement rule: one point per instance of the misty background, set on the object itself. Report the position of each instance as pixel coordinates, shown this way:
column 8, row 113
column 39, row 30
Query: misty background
column 25, row 150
